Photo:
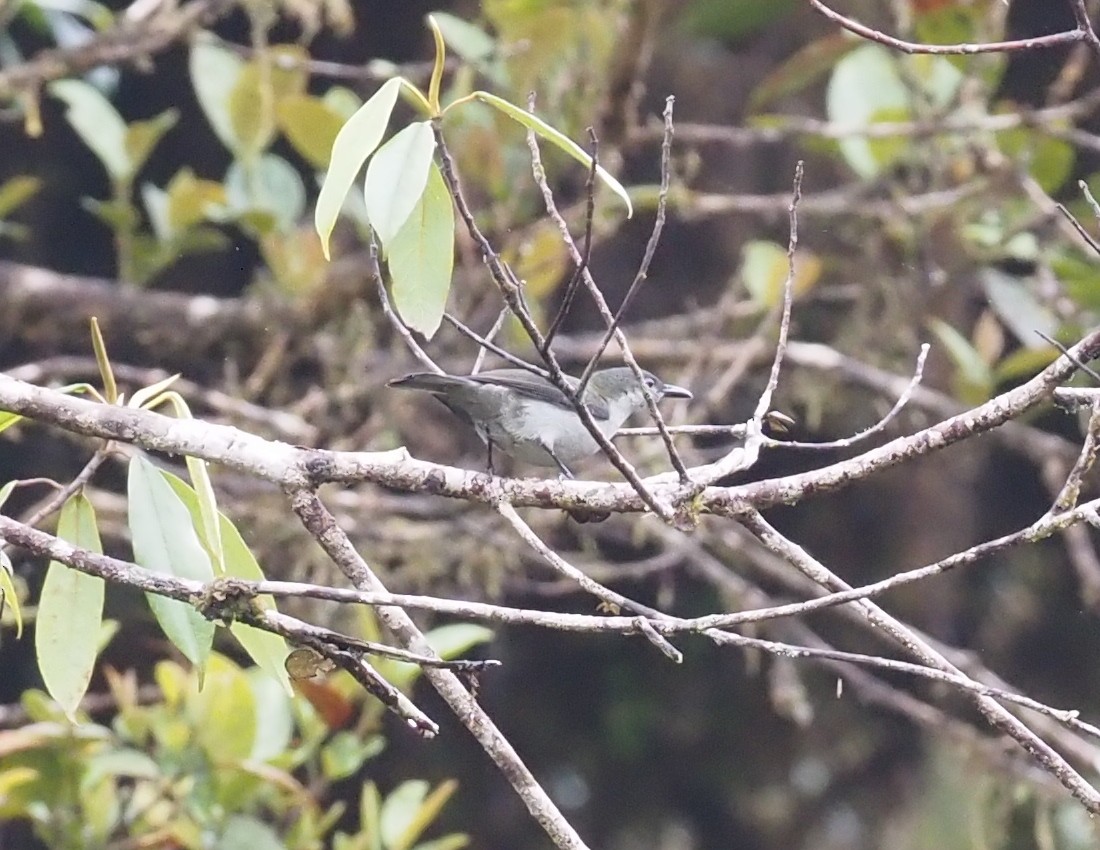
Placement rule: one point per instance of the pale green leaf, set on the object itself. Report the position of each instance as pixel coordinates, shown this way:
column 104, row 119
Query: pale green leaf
column 974, row 377
column 425, row 814
column 1017, row 306
column 207, row 521
column 267, row 184
column 274, row 718
column 454, row 841
column 6, row 491
column 214, row 74
column 866, row 84
column 8, row 596
column 165, row 541
column 156, row 207
column 70, row 613
column 7, row 420
column 396, row 177
column 97, row 123
column 15, row 191
column 467, row 40
column 310, row 125
column 224, row 712
column 267, row 649
column 399, row 810
column 354, row 143
column 142, row 136
column 558, row 139
column 421, row 258
column 142, row 397
column 247, row 833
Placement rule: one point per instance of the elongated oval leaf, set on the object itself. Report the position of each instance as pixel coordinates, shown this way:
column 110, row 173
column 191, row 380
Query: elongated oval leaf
column 70, row 613
column 214, row 75
column 400, row 808
column 310, row 125
column 165, row 541
column 354, row 143
column 267, row 185
column 97, row 123
column 558, row 139
column 421, row 258
column 396, row 178
column 267, row 649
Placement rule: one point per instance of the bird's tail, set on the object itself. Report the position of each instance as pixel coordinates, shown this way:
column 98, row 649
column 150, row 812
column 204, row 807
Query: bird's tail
column 430, row 382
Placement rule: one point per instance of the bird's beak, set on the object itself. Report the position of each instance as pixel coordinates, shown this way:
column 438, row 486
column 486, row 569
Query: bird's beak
column 676, row 392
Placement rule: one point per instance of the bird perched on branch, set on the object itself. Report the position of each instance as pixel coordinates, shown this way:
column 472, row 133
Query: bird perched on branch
column 527, row 417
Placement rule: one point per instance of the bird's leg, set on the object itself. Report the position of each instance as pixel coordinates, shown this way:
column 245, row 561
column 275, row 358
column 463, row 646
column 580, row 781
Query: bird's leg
column 489, row 458
column 565, row 472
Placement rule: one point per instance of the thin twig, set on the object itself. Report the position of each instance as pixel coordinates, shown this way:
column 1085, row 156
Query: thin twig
column 919, row 648
column 1071, row 490
column 488, row 345
column 510, row 291
column 395, row 320
column 1081, row 33
column 539, row 174
column 326, row 531
column 586, row 254
column 879, row 426
column 58, row 499
column 613, row 327
column 487, row 341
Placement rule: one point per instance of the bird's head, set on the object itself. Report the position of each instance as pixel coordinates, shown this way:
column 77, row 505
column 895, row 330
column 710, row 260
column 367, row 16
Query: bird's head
column 619, row 387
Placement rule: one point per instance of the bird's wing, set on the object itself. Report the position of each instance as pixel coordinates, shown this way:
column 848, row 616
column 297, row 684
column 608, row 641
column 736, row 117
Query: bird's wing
column 532, row 386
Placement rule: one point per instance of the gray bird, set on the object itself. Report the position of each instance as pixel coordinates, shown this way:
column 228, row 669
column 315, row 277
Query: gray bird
column 527, row 417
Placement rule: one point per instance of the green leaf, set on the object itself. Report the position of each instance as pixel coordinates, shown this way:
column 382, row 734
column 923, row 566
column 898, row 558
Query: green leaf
column 254, row 97
column 8, row 419
column 8, row 596
column 192, row 200
column 70, row 613
column 311, row 126
column 421, row 258
column 247, row 833
column 800, row 70
column 156, row 208
column 1050, row 161
column 399, row 811
column 764, row 269
column 6, row 491
column 355, row 142
column 370, row 814
column 974, row 380
column 267, row 649
column 454, row 841
column 426, row 812
column 346, row 752
column 97, row 123
column 467, row 40
column 214, row 74
column 268, row 184
column 142, row 137
column 274, row 719
column 225, row 713
column 1013, row 301
column 17, row 191
column 120, row 762
column 396, row 177
column 165, row 541
column 557, row 138
column 851, row 100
